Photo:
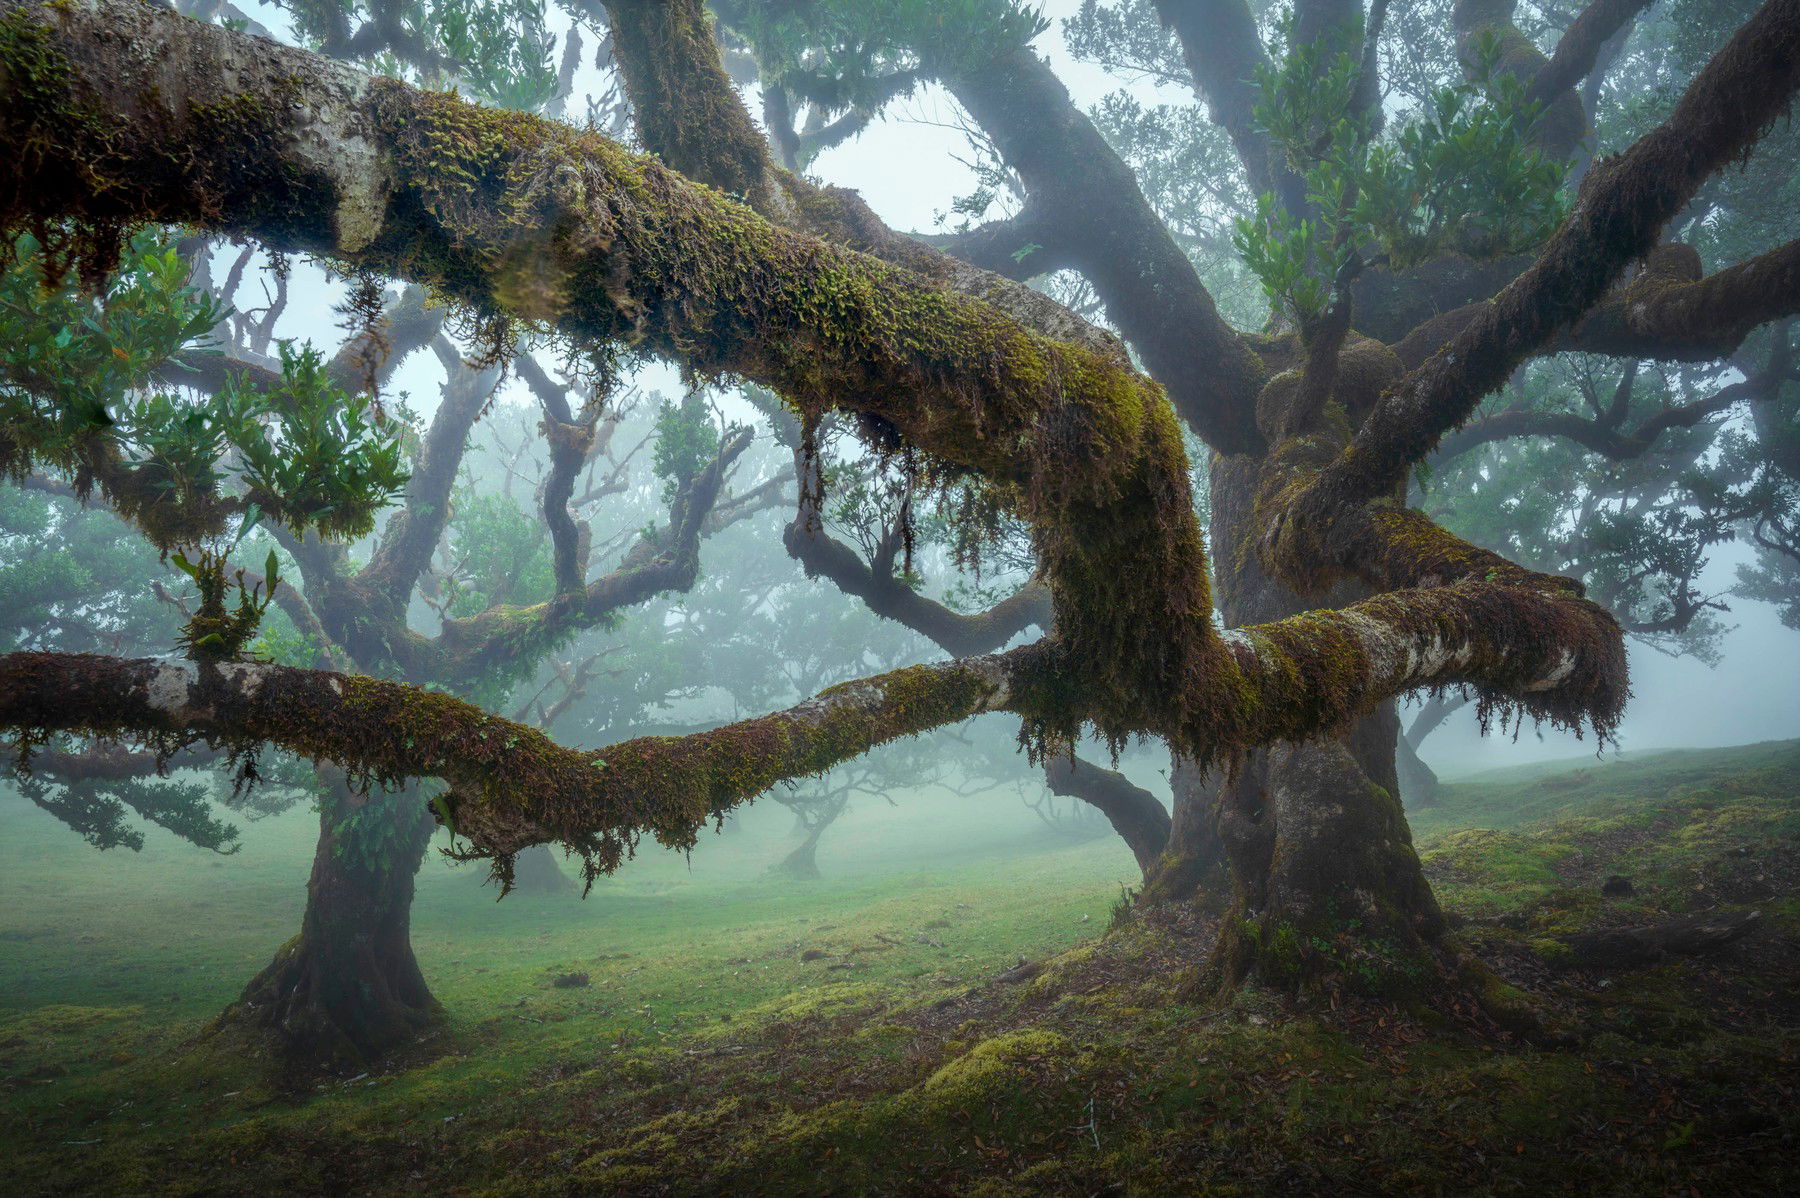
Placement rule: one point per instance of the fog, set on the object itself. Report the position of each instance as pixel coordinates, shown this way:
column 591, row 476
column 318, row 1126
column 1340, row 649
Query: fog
column 1752, row 695
column 698, row 725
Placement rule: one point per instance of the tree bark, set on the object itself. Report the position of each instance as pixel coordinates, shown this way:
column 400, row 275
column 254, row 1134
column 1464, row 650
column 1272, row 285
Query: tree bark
column 347, row 991
column 1192, row 865
column 1326, row 887
column 1418, row 781
column 1133, row 811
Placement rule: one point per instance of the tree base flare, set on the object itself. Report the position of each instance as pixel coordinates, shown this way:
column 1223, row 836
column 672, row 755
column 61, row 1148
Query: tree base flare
column 332, row 1012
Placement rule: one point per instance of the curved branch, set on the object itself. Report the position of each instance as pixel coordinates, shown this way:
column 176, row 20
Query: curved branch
column 564, row 227
column 1624, row 204
column 1091, row 202
column 411, row 535
column 657, row 563
column 513, row 787
column 1578, row 50
column 688, row 112
column 1600, row 435
column 1141, row 821
column 1223, row 50
column 571, row 444
column 957, row 633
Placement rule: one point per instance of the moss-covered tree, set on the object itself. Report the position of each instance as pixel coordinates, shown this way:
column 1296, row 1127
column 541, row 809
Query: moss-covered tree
column 714, row 255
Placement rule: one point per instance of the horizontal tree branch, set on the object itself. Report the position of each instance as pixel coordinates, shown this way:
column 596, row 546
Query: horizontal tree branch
column 1598, row 435
column 564, row 228
column 957, row 633
column 512, row 787
column 1668, row 312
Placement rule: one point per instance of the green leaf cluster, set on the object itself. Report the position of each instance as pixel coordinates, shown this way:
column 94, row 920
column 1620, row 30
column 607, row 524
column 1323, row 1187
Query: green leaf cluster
column 497, row 50
column 1459, row 176
column 843, row 54
column 687, row 439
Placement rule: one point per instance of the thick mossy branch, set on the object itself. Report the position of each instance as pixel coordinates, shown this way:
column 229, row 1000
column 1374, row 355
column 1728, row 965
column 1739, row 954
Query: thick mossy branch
column 683, row 102
column 511, row 213
column 511, row 785
column 1553, row 657
column 688, row 113
column 1670, row 312
column 514, row 215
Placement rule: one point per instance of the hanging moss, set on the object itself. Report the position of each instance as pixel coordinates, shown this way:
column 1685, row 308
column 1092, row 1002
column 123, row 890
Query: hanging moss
column 618, row 247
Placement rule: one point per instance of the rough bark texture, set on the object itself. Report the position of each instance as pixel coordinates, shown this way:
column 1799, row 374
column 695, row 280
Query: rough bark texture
column 1326, row 887
column 1193, row 866
column 1135, row 814
column 347, row 991
column 687, row 112
column 1340, row 899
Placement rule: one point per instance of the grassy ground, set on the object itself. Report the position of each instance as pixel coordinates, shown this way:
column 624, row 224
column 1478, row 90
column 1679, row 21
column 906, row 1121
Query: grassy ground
column 742, row 1034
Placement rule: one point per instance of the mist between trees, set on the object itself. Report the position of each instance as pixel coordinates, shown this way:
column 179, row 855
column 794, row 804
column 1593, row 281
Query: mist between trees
column 493, row 429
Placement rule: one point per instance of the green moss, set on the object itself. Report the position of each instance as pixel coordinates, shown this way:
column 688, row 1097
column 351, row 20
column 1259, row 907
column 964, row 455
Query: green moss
column 991, row 1071
column 52, row 136
column 618, row 249
column 1659, row 1085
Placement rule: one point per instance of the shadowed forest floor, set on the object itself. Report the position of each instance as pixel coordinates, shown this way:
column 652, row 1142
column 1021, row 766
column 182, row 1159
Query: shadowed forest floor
column 737, row 1033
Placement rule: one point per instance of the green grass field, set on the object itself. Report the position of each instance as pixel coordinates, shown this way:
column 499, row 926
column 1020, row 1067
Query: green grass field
column 741, row 1033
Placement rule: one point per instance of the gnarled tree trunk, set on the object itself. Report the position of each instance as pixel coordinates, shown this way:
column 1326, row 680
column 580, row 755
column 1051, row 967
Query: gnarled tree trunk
column 810, row 819
column 1418, row 781
column 1326, row 887
column 347, row 990
column 1191, row 868
column 802, row 863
